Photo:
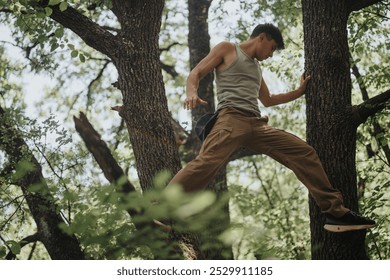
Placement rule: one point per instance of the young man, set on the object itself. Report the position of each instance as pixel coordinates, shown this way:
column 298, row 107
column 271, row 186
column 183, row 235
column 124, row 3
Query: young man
column 240, row 124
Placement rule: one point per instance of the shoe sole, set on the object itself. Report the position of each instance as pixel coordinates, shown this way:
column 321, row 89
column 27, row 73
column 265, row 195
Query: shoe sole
column 343, row 228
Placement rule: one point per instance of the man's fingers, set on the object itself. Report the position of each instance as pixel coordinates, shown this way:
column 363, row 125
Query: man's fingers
column 304, row 80
column 192, row 102
column 187, row 103
column 307, row 79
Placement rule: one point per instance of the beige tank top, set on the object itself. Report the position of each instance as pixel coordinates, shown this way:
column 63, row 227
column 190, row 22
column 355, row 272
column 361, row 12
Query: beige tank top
column 238, row 86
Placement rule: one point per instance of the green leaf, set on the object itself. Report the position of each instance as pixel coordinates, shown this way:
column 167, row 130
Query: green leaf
column 63, row 6
column 3, row 252
column 54, row 2
column 74, row 53
column 59, row 32
column 65, row 228
column 35, row 188
column 70, row 195
column 41, row 14
column 14, row 246
column 161, row 179
column 23, row 167
column 48, row 11
column 82, row 57
column 42, row 38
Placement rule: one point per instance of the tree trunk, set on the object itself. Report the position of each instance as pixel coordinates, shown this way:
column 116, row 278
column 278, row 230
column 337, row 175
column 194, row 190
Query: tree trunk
column 145, row 107
column 135, row 53
column 330, row 128
column 199, row 47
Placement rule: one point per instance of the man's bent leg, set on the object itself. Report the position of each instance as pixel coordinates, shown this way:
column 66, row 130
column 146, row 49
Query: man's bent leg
column 223, row 140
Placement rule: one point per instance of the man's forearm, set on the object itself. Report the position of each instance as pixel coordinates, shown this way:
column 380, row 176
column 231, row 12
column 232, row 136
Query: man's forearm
column 192, row 84
column 281, row 98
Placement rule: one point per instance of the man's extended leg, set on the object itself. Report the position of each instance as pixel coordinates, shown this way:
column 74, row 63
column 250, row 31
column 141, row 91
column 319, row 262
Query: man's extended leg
column 303, row 160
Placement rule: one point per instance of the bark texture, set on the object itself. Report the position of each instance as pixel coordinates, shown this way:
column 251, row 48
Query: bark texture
column 135, row 53
column 103, row 156
column 330, row 126
column 145, row 107
column 199, row 47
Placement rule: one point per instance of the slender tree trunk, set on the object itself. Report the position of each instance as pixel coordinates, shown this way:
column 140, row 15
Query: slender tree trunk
column 199, row 47
column 330, row 129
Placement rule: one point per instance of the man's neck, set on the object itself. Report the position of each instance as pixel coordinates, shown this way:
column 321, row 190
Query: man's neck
column 249, row 47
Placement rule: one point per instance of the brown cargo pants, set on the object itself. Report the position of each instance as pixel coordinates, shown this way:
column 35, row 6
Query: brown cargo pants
column 234, row 129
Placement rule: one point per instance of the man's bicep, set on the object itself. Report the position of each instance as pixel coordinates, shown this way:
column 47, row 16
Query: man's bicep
column 210, row 62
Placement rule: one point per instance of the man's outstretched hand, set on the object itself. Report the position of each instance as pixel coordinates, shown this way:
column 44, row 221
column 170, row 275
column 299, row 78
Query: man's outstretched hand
column 192, row 101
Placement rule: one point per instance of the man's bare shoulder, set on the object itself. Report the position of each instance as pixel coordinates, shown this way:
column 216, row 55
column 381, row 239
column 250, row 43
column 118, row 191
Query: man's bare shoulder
column 226, row 51
column 224, row 47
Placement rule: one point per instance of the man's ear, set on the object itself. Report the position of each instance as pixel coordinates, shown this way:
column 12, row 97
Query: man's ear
column 262, row 37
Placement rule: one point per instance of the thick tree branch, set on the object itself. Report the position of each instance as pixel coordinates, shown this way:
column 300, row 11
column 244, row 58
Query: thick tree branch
column 102, row 154
column 41, row 203
column 356, row 5
column 370, row 107
column 91, row 33
column 111, row 169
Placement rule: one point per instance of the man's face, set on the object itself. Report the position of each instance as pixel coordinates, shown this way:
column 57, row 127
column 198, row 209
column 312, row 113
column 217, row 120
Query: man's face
column 266, row 47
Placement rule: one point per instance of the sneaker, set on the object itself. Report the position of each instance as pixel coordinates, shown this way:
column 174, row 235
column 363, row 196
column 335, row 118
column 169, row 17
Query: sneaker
column 350, row 221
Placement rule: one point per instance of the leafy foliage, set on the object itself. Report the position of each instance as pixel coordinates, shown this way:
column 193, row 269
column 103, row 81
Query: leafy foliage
column 269, row 213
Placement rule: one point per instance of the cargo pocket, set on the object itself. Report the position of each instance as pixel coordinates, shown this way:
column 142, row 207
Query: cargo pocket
column 217, row 137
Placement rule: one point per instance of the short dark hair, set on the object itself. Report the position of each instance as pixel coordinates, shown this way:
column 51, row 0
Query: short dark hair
column 271, row 31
